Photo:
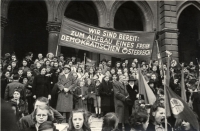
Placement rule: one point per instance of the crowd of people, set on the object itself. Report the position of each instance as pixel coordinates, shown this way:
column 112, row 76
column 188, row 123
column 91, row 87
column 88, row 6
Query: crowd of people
column 55, row 89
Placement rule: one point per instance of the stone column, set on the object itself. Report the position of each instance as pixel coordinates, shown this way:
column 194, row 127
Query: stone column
column 54, row 28
column 168, row 29
column 4, row 23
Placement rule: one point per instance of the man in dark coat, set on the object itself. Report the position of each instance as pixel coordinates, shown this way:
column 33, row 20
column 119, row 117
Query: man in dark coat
column 132, row 89
column 10, row 88
column 122, row 100
column 65, row 85
column 157, row 118
column 27, row 121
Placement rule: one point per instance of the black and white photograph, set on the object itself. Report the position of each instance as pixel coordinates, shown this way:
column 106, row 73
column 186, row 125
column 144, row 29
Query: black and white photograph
column 100, row 65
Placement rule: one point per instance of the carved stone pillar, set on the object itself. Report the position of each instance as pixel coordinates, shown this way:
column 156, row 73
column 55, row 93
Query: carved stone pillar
column 54, row 30
column 4, row 23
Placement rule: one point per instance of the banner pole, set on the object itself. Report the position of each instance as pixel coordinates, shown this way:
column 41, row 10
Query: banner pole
column 57, row 50
column 84, row 63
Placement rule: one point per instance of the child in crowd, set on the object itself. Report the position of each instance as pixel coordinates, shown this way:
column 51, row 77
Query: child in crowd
column 19, row 106
column 81, row 94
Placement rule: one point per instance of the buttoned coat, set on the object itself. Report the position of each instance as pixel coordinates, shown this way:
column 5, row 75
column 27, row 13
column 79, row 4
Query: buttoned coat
column 65, row 100
column 121, row 108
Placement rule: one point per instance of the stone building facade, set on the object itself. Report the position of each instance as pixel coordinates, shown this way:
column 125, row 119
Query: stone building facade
column 159, row 16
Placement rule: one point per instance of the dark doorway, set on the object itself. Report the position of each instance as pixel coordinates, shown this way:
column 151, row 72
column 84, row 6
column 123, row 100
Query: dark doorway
column 83, row 11
column 128, row 17
column 26, row 30
column 189, row 37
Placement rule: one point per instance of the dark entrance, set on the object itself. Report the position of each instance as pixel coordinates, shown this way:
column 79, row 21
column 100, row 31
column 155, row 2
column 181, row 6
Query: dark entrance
column 83, row 11
column 26, row 30
column 189, row 37
column 128, row 17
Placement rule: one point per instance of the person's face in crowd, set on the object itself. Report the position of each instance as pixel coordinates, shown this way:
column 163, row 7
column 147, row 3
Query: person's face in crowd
column 191, row 63
column 13, row 57
column 39, row 103
column 154, row 68
column 107, row 73
column 16, row 95
column 159, row 115
column 106, row 78
column 29, row 74
column 95, row 77
column 125, row 70
column 135, row 60
column 153, row 77
column 73, row 59
column 9, row 68
column 98, row 83
column 43, row 71
column 56, row 64
column 38, row 65
column 7, row 74
column 41, row 116
column 133, row 64
column 58, row 70
column 40, row 56
column 66, row 70
column 143, row 63
column 156, row 63
column 77, row 120
column 82, row 84
column 50, row 56
column 175, row 81
column 172, row 69
column 52, row 63
column 185, row 125
column 79, row 70
column 47, row 62
column 100, row 66
column 13, row 64
column 109, row 63
column 151, row 85
column 135, row 70
column 114, row 77
column 123, row 65
column 164, row 67
column 20, row 72
column 145, row 125
column 126, row 61
column 70, row 63
column 24, row 63
column 144, row 67
column 103, row 63
column 62, row 58
column 86, row 75
column 131, row 69
column 119, row 72
column 100, row 70
column 121, row 78
column 60, row 64
column 75, row 75
column 89, row 82
column 91, row 71
column 118, row 65
column 25, row 80
column 41, row 62
column 126, row 74
column 112, row 71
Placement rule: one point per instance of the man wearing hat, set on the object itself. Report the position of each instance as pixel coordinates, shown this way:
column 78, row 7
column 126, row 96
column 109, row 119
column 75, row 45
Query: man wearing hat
column 66, row 83
column 132, row 89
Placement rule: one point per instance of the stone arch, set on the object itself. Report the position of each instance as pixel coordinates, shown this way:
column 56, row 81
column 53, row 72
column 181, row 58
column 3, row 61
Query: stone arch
column 147, row 14
column 99, row 5
column 184, row 5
